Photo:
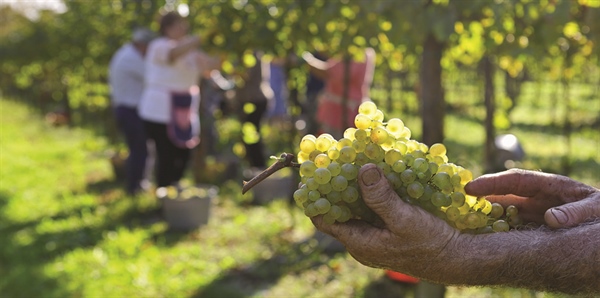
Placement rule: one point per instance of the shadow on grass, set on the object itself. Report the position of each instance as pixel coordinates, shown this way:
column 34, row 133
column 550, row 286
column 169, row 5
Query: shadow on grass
column 28, row 247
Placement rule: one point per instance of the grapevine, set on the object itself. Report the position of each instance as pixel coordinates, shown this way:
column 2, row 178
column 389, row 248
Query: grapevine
column 419, row 174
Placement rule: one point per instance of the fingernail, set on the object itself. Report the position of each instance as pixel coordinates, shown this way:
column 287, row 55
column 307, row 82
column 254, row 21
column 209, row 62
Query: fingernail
column 561, row 216
column 371, row 176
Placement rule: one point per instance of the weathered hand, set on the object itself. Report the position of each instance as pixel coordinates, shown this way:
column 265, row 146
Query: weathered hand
column 555, row 200
column 410, row 240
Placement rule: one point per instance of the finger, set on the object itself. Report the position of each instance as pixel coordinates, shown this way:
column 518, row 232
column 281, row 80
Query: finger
column 518, row 182
column 523, row 203
column 574, row 213
column 351, row 233
column 379, row 196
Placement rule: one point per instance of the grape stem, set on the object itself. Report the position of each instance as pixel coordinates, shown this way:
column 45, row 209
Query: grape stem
column 284, row 160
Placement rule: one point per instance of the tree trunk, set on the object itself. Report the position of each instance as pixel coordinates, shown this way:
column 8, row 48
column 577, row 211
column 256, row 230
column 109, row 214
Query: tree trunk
column 432, row 93
column 490, row 108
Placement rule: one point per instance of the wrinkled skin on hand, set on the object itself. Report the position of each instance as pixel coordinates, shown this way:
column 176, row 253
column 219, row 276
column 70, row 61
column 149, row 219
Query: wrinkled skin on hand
column 543, row 198
column 407, row 230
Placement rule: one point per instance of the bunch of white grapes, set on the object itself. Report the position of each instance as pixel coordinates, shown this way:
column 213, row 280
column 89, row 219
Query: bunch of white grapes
column 419, row 174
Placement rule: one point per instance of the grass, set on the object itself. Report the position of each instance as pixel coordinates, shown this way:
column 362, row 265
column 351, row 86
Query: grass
column 68, row 230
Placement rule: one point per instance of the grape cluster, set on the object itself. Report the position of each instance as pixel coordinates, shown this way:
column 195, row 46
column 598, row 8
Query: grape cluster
column 419, row 174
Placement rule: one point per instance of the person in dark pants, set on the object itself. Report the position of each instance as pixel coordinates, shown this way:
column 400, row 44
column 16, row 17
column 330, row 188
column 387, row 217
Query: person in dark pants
column 170, row 102
column 254, row 97
column 126, row 78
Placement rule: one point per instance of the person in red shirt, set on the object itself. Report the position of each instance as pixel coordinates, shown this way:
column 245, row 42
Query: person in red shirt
column 335, row 72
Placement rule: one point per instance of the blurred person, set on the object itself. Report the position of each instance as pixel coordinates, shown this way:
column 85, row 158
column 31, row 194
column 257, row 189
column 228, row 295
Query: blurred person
column 330, row 101
column 314, row 86
column 170, row 101
column 562, row 255
column 254, row 97
column 126, row 80
column 278, row 82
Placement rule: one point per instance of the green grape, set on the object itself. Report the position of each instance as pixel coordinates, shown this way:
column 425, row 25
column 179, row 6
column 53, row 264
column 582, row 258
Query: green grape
column 362, row 122
column 361, row 135
column 452, row 213
column 446, row 168
column 350, row 194
column 359, row 146
column 401, row 146
column 439, row 199
column 349, row 133
column 406, row 133
column 379, row 135
column 335, row 211
column 458, row 199
column 394, row 179
column 437, row 149
column 497, row 210
column 311, row 210
column 384, row 167
column 334, row 196
column 323, row 143
column 322, row 205
column 511, row 211
column 339, row 183
column 378, row 116
column 307, row 145
column 500, row 226
column 392, row 156
column 398, row 166
column 367, row 108
column 514, row 221
column 307, row 168
column 408, row 176
column 334, row 168
column 415, row 190
column 346, row 214
column 472, row 220
column 487, row 208
column 322, row 175
column 433, row 167
column 328, row 219
column 395, row 126
column 314, row 195
column 322, row 160
column 344, row 143
column 465, row 175
column 408, row 159
column 361, row 159
column 374, row 152
column 314, row 154
column 420, row 165
column 333, row 153
column 312, row 184
column 442, row 181
column 301, row 195
column 349, row 171
column 325, row 188
column 347, row 154
column 427, row 192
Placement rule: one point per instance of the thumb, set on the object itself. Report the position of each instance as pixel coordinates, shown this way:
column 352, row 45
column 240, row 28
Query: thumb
column 378, row 194
column 572, row 214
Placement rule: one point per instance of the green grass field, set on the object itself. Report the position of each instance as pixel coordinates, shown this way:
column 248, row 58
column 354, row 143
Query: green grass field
column 68, row 230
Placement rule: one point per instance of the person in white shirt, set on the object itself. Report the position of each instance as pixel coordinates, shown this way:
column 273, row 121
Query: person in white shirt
column 170, row 101
column 126, row 80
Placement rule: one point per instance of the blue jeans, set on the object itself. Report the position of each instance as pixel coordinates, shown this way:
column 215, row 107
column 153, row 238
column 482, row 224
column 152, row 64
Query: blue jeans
column 132, row 128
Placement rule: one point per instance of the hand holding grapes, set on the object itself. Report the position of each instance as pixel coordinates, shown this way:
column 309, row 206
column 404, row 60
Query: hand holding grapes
column 414, row 241
column 409, row 237
column 555, row 200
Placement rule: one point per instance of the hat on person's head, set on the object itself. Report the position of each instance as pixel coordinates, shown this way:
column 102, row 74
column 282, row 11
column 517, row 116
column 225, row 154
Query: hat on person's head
column 142, row 35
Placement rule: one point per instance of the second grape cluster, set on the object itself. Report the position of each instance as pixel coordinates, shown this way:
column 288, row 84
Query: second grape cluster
column 420, row 175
